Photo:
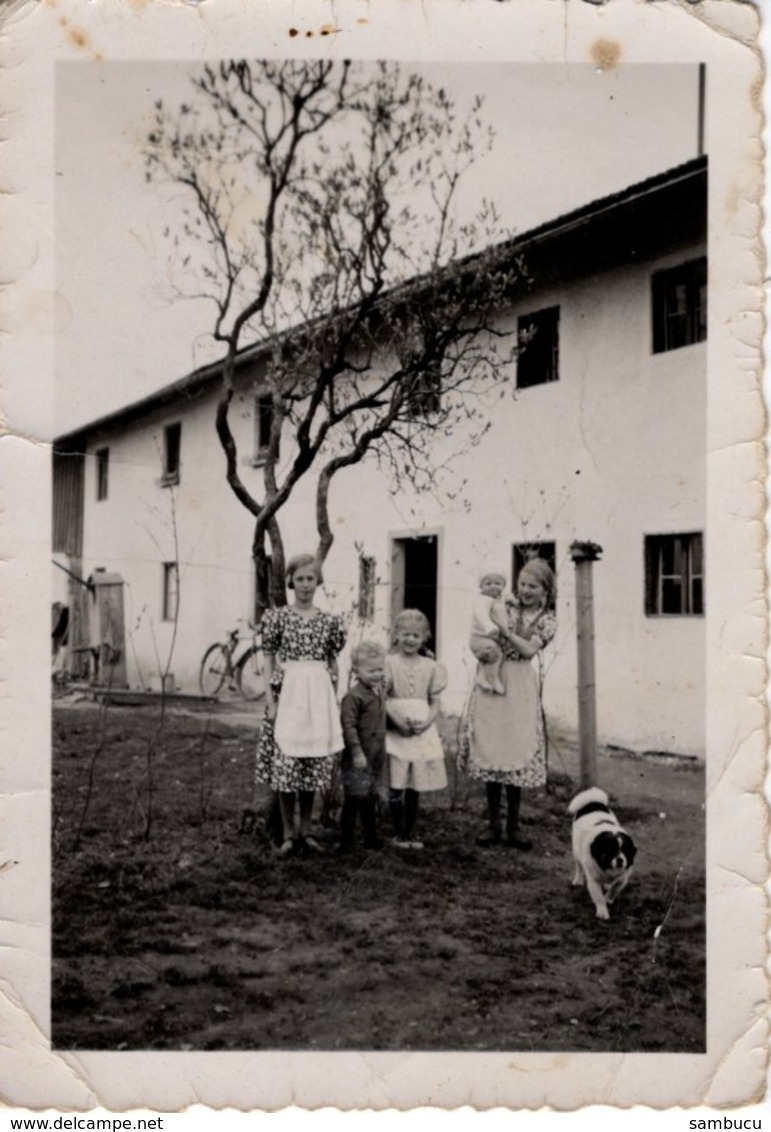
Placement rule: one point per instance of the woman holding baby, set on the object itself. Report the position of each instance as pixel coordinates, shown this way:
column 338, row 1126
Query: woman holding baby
column 504, row 744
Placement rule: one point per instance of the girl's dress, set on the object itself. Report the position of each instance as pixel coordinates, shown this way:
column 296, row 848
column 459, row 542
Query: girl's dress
column 294, row 750
column 415, row 761
column 504, row 737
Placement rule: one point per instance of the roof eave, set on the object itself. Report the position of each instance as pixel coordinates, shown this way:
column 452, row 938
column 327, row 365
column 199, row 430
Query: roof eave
column 600, row 212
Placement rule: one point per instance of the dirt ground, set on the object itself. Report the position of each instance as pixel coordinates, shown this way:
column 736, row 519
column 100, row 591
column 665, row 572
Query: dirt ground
column 174, row 929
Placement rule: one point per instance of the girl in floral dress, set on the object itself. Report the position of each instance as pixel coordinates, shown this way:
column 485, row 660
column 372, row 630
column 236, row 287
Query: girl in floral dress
column 301, row 729
column 415, row 754
column 504, row 742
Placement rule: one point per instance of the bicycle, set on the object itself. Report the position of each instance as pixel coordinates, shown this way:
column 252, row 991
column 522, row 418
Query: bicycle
column 246, row 674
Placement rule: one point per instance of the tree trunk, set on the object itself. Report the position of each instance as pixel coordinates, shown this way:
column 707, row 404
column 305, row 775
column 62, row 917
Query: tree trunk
column 261, row 570
column 269, row 569
column 277, row 587
column 323, row 526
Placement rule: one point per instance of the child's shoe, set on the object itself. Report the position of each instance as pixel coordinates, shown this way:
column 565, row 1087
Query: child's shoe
column 490, row 836
column 515, row 841
column 309, row 847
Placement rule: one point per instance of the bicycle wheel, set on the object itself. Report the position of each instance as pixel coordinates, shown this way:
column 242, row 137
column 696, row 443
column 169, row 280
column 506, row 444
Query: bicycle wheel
column 214, row 670
column 250, row 676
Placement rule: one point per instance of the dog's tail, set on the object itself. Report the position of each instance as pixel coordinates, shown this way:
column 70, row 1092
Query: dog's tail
column 593, row 794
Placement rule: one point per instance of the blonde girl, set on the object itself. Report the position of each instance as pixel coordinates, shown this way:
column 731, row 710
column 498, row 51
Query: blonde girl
column 414, row 749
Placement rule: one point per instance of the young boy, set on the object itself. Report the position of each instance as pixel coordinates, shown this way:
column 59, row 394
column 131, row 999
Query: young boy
column 363, row 719
column 489, row 623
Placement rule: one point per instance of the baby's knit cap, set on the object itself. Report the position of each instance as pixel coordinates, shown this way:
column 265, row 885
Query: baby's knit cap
column 492, row 571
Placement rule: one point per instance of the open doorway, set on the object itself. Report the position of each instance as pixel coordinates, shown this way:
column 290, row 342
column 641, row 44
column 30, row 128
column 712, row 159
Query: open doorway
column 414, row 573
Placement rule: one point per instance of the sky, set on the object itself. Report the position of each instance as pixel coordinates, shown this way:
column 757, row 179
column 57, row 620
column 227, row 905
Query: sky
column 564, row 135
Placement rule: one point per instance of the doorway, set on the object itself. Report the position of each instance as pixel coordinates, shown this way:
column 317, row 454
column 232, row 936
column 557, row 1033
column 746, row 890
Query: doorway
column 414, row 573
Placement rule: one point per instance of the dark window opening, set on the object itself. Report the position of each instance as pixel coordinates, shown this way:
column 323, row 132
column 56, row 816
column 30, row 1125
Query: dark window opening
column 538, row 341
column 264, row 415
column 170, row 591
column 102, row 472
column 674, row 575
column 366, row 587
column 679, row 299
column 425, row 395
column 523, row 552
column 172, row 441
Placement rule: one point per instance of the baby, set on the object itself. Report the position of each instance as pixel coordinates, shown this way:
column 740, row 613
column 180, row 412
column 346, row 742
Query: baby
column 489, row 623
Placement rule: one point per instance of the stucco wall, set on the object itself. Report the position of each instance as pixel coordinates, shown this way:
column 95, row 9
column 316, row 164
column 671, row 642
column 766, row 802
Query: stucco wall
column 614, row 450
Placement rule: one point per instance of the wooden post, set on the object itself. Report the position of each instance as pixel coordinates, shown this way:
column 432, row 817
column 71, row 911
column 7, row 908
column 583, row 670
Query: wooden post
column 583, row 555
column 701, row 111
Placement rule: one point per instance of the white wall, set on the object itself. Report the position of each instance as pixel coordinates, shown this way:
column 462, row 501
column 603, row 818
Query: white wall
column 133, row 532
column 612, row 451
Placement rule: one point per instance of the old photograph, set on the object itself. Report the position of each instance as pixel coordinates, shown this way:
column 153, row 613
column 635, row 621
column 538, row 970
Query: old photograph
column 349, row 614
column 388, row 473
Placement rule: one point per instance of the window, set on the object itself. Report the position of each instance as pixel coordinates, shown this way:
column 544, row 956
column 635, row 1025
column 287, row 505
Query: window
column 263, row 420
column 524, row 551
column 170, row 591
column 172, row 439
column 102, row 472
column 679, row 299
column 674, row 575
column 366, row 587
column 424, row 396
column 538, row 339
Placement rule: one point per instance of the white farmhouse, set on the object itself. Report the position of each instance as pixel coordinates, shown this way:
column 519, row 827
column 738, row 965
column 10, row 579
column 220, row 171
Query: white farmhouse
column 603, row 439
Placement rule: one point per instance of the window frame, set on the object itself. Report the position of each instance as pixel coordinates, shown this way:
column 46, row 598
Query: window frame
column 424, row 398
column 102, row 457
column 545, row 548
column 527, row 359
column 264, row 414
column 687, row 549
column 170, row 595
column 171, row 468
column 691, row 325
column 367, row 583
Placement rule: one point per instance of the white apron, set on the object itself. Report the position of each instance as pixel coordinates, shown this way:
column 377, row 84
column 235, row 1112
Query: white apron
column 414, row 748
column 308, row 719
column 506, row 730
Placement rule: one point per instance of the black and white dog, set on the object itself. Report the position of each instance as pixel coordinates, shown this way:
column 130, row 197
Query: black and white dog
column 603, row 852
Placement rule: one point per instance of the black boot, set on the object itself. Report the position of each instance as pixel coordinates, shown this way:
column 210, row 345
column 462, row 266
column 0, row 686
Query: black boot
column 513, row 838
column 369, row 824
column 396, row 807
column 492, row 835
column 274, row 825
column 348, row 823
column 411, row 806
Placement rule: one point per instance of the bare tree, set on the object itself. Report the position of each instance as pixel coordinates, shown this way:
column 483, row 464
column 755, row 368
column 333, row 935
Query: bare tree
column 318, row 218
